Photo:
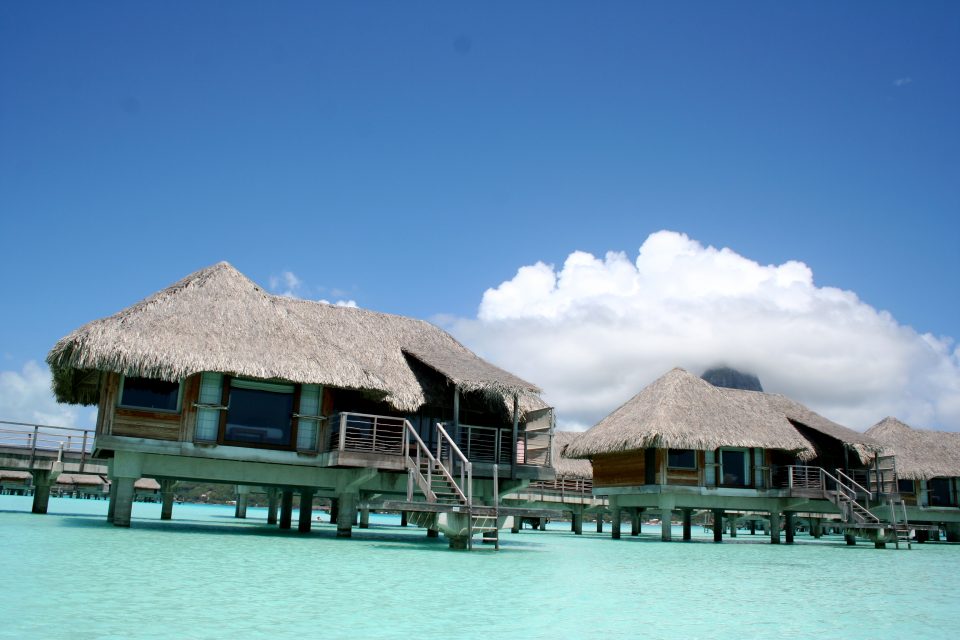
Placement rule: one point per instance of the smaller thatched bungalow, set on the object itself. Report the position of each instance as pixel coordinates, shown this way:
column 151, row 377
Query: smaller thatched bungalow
column 214, row 379
column 571, row 490
column 927, row 472
column 683, row 444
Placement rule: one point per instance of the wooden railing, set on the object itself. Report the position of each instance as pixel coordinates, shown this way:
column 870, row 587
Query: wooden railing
column 366, row 433
column 44, row 439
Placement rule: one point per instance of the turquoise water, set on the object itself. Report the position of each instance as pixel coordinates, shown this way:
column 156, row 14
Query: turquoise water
column 208, row 575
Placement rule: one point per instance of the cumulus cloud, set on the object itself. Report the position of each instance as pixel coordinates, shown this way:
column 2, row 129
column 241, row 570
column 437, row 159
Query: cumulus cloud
column 25, row 396
column 597, row 330
column 902, row 82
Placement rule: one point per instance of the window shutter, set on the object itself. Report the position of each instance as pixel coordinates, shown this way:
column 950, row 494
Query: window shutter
column 208, row 417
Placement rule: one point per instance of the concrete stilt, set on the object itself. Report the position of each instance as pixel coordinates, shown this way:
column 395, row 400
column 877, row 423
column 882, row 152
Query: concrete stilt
column 789, row 526
column 615, row 523
column 346, row 514
column 111, row 506
column 166, row 499
column 542, row 524
column 243, row 492
column 635, row 521
column 41, row 491
column 272, row 502
column 517, row 524
column 718, row 525
column 123, row 501
column 880, row 544
column 286, row 508
column 365, row 517
column 599, row 523
column 334, row 510
column 306, row 511
column 774, row 527
column 850, row 539
column 816, row 529
column 953, row 532
column 666, row 525
column 733, row 525
column 433, row 533
column 578, row 524
column 687, row 522
column 403, row 518
column 458, row 543
column 753, row 527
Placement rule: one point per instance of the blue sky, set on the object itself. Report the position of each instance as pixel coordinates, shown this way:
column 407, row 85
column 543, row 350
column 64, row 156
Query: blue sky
column 410, row 156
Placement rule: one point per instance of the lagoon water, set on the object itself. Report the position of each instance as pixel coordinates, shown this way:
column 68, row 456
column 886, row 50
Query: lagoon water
column 205, row 574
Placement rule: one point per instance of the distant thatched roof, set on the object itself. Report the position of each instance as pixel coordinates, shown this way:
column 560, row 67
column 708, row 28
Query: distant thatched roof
column 681, row 411
column 796, row 413
column 14, row 475
column 218, row 320
column 81, row 479
column 569, row 467
column 920, row 454
column 146, row 484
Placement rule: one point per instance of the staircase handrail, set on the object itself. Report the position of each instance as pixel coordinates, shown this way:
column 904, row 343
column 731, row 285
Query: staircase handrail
column 849, row 495
column 413, row 465
column 466, row 466
column 841, row 474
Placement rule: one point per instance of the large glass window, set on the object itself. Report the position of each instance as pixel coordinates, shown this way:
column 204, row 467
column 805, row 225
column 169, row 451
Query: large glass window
column 734, row 467
column 939, row 493
column 150, row 393
column 682, row 459
column 905, row 486
column 260, row 413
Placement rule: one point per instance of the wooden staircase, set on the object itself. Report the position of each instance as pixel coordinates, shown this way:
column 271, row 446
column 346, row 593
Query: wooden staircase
column 859, row 517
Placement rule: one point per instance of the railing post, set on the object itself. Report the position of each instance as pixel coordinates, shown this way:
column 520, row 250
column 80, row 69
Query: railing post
column 376, row 422
column 343, row 430
column 790, row 477
column 83, row 451
column 409, row 485
column 33, row 448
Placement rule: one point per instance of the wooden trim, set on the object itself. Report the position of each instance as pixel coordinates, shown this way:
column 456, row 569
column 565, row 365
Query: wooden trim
column 224, row 402
column 188, row 415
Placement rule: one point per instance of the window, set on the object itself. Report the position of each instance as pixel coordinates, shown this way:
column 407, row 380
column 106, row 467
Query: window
column 939, row 494
column 149, row 393
column 734, row 468
column 259, row 413
column 905, row 486
column 682, row 459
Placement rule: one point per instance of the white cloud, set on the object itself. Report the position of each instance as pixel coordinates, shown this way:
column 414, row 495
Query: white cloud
column 341, row 303
column 902, row 82
column 286, row 284
column 596, row 331
column 26, row 396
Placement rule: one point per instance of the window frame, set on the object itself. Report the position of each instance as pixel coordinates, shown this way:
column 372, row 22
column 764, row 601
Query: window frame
column 134, row 407
column 747, row 467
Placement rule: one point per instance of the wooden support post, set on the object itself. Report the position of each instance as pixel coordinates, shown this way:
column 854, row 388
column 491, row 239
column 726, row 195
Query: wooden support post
column 789, row 527
column 306, row 511
column 718, row 525
column 615, row 523
column 123, row 502
column 365, row 516
column 346, row 516
column 286, row 508
column 515, row 434
column 41, row 490
column 166, row 499
column 687, row 523
column 774, row 527
column 666, row 525
column 272, row 503
column 403, row 518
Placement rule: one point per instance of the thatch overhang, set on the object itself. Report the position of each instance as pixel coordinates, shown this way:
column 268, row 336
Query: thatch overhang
column 921, row 454
column 681, row 411
column 216, row 319
column 862, row 444
column 566, row 467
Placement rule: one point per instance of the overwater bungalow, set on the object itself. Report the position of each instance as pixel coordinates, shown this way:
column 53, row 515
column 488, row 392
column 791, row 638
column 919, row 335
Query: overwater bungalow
column 214, row 379
column 570, row 492
column 927, row 473
column 682, row 444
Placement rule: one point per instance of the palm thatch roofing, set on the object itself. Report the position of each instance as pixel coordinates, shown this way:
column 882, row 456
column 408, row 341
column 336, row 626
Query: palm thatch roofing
column 218, row 320
column 801, row 416
column 921, row 454
column 81, row 479
column 569, row 467
column 681, row 411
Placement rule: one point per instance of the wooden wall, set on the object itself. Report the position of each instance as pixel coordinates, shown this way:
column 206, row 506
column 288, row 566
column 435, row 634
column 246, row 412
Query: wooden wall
column 619, row 469
column 143, row 423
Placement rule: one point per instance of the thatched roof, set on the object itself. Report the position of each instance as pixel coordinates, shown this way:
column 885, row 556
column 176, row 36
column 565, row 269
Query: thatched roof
column 81, row 479
column 802, row 416
column 920, row 454
column 14, row 475
column 146, row 484
column 681, row 411
column 569, row 467
column 218, row 320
